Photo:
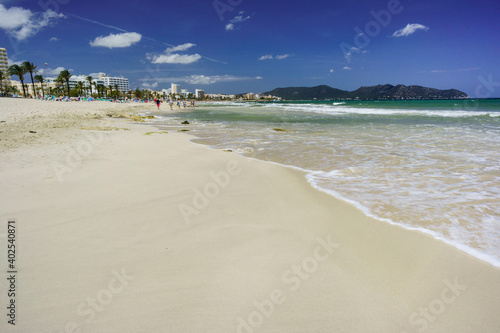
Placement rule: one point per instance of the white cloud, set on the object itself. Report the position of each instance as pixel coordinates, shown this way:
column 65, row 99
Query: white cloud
column 14, row 17
column 23, row 23
column 50, row 71
column 237, row 19
column 332, row 70
column 347, row 68
column 175, row 58
column 150, row 85
column 266, row 57
column 281, row 57
column 203, row 79
column 10, row 62
column 353, row 49
column 180, row 48
column 53, row 39
column 126, row 39
column 409, row 30
column 277, row 57
column 348, row 55
column 453, row 70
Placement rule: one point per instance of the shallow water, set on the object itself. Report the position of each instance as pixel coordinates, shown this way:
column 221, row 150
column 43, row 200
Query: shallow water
column 433, row 166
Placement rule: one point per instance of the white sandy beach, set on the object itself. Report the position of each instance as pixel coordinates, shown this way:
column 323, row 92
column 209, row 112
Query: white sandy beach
column 123, row 228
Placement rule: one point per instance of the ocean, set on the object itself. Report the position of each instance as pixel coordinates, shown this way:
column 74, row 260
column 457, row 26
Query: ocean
column 432, row 166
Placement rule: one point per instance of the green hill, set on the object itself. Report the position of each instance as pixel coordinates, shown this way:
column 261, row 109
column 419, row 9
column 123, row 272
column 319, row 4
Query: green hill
column 386, row 91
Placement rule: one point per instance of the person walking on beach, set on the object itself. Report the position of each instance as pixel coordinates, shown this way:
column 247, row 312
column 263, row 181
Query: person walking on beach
column 171, row 102
column 158, row 103
column 179, row 104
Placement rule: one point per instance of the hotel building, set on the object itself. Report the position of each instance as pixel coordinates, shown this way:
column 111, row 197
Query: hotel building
column 200, row 94
column 121, row 82
column 175, row 88
column 4, row 66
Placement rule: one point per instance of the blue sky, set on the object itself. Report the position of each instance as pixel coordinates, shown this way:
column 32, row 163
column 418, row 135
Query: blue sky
column 237, row 46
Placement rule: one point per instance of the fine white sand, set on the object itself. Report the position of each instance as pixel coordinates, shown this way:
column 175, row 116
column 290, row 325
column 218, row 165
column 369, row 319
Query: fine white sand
column 124, row 230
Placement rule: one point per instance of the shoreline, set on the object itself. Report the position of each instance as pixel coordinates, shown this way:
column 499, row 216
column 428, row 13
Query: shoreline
column 466, row 249
column 263, row 249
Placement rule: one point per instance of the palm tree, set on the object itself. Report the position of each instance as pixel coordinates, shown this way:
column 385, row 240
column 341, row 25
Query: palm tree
column 19, row 71
column 59, row 84
column 118, row 92
column 137, row 93
column 30, row 68
column 13, row 89
column 89, row 78
column 101, row 89
column 40, row 79
column 2, row 77
column 65, row 75
column 80, row 85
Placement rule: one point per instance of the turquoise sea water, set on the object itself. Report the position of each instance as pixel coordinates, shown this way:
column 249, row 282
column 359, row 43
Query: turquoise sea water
column 432, row 166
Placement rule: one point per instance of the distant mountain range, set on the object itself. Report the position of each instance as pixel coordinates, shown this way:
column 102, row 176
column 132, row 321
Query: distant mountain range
column 385, row 91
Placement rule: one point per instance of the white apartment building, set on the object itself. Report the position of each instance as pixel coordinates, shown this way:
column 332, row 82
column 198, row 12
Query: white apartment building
column 175, row 88
column 51, row 82
column 249, row 96
column 74, row 79
column 121, row 82
column 103, row 79
column 199, row 93
column 4, row 66
column 185, row 93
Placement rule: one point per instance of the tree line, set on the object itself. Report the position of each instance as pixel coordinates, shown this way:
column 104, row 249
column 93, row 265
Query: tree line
column 62, row 87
